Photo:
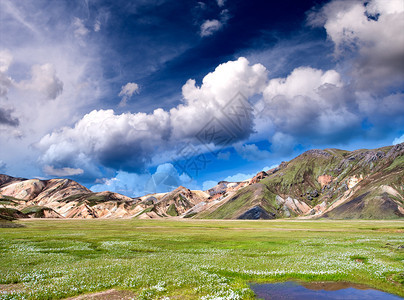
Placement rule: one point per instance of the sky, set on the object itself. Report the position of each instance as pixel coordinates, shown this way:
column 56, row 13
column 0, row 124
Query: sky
column 142, row 96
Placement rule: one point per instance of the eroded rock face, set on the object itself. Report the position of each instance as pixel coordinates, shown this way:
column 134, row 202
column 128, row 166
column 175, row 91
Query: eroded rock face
column 324, row 180
column 257, row 178
column 57, row 189
column 26, row 190
column 178, row 202
column 292, row 205
column 397, row 150
column 354, row 180
column 316, row 153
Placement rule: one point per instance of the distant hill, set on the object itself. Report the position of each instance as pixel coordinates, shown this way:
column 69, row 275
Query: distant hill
column 330, row 183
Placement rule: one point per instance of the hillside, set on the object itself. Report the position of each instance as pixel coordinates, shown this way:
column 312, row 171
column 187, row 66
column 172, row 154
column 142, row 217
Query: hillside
column 330, row 183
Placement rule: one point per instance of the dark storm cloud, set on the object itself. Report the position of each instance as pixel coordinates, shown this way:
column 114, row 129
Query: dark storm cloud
column 7, row 119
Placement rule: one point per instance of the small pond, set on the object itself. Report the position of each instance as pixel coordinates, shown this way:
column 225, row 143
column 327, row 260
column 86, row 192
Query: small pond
column 319, row 290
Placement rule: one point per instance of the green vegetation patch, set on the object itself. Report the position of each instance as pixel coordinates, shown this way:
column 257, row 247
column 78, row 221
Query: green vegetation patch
column 172, row 211
column 35, row 210
column 194, row 259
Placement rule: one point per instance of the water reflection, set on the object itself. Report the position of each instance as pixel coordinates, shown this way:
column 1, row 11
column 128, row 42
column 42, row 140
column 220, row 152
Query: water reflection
column 319, row 290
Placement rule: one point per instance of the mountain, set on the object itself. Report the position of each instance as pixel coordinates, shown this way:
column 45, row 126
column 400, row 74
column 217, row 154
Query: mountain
column 330, row 183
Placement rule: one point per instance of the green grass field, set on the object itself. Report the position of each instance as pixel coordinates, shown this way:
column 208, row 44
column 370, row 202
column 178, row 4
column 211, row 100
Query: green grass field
column 194, row 259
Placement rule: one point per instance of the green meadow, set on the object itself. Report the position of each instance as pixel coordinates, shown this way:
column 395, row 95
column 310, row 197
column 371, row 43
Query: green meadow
column 194, row 259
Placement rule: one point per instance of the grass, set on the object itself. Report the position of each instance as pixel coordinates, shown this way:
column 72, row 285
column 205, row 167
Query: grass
column 194, row 259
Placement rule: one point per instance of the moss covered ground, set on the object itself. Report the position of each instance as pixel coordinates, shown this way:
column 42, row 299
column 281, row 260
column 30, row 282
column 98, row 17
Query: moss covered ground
column 194, row 259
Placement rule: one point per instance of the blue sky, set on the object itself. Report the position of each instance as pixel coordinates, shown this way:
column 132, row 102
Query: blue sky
column 141, row 96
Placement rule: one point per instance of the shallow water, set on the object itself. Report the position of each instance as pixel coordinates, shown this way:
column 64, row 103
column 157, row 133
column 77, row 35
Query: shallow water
column 319, row 290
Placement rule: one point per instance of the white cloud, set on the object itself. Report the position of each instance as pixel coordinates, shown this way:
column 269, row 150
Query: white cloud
column 374, row 32
column 47, row 62
column 124, row 141
column 44, row 80
column 80, row 30
column 127, row 91
column 311, row 103
column 398, row 140
column 130, row 141
column 61, row 172
column 217, row 97
column 209, row 27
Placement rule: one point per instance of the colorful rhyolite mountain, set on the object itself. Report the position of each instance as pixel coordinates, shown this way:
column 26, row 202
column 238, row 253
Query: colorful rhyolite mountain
column 330, row 183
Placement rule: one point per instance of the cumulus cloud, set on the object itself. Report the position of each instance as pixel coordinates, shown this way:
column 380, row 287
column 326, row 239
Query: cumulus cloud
column 398, row 140
column 307, row 106
column 50, row 170
column 209, row 27
column 369, row 33
column 128, row 141
column 43, row 80
column 313, row 104
column 223, row 96
column 127, row 91
column 124, row 141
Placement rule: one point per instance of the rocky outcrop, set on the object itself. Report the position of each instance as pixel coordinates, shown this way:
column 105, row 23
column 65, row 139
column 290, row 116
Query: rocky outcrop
column 25, row 190
column 324, row 180
column 257, row 178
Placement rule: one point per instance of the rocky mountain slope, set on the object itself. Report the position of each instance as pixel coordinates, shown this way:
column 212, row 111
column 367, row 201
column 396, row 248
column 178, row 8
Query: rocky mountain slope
column 328, row 183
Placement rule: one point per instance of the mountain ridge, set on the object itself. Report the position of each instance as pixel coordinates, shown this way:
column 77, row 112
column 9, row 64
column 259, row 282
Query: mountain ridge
column 329, row 183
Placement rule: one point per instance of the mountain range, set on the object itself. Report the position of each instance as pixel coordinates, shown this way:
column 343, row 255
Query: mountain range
column 330, row 183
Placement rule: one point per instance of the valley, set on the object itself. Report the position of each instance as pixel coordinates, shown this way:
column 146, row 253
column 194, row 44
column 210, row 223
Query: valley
column 193, row 259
